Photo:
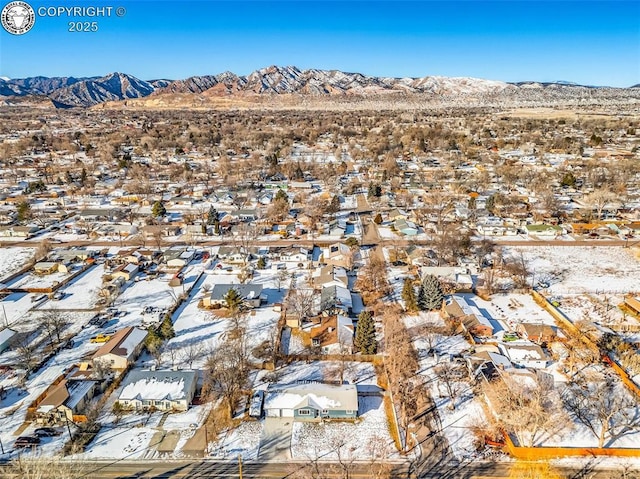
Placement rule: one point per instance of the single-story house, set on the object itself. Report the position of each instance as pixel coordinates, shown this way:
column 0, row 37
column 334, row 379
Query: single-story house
column 65, row 400
column 333, row 334
column 18, row 231
column 178, row 258
column 405, row 227
column 161, row 390
column 331, row 275
column 471, row 318
column 537, row 333
column 524, row 354
column 125, row 271
column 250, row 293
column 338, row 254
column 311, row 401
column 547, row 231
column 335, row 300
column 45, row 267
column 122, row 349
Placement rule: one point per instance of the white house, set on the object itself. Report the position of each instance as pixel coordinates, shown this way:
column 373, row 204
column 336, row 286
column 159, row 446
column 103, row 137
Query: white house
column 161, row 390
column 309, row 401
column 524, row 354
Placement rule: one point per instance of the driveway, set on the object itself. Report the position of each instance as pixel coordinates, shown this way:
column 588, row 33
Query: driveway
column 275, row 442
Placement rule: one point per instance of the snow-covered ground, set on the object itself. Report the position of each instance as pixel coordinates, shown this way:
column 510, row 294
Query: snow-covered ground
column 457, row 423
column 13, row 258
column 366, row 439
column 583, row 269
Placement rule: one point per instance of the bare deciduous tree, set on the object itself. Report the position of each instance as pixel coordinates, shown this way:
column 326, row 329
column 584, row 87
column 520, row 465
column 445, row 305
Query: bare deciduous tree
column 526, row 410
column 451, row 375
column 603, row 406
column 227, row 371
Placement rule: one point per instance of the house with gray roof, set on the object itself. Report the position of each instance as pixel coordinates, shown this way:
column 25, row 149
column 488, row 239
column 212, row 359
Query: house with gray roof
column 311, row 401
column 251, row 294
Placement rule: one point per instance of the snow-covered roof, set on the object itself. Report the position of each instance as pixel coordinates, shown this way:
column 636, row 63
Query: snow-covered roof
column 123, row 343
column 6, row 334
column 158, row 385
column 317, row 395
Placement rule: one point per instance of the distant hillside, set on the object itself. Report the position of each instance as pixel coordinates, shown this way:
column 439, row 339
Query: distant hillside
column 68, row 92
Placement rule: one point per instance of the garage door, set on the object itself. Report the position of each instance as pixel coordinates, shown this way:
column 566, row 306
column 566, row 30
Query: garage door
column 286, row 412
column 272, row 412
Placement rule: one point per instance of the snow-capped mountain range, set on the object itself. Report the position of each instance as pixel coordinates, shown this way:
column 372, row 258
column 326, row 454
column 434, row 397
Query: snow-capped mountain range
column 67, row 92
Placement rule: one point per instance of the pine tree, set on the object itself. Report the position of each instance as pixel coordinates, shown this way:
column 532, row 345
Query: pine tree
column 281, row 194
column 166, row 328
column 233, row 300
column 158, row 209
column 430, row 295
column 262, row 263
column 365, row 340
column 24, row 212
column 409, row 296
column 212, row 216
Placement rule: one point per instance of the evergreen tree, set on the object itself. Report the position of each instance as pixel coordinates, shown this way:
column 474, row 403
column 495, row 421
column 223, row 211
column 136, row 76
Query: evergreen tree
column 24, row 212
column 83, row 176
column 365, row 340
column 158, row 209
column 409, row 296
column 282, row 195
column 212, row 216
column 166, row 328
column 262, row 263
column 233, row 300
column 430, row 295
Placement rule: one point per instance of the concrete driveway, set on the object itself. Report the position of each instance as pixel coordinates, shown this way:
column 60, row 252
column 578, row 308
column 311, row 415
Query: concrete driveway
column 275, row 442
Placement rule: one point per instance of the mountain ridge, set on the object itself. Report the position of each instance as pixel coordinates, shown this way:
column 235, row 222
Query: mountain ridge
column 67, row 92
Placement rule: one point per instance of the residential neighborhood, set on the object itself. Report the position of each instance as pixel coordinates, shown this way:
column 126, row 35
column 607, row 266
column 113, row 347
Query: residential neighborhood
column 360, row 287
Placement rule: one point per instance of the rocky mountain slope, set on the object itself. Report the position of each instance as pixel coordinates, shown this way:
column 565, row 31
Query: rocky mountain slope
column 85, row 92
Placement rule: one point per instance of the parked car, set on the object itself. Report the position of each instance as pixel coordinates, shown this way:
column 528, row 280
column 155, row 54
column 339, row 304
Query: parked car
column 100, row 338
column 46, row 432
column 26, row 441
column 57, row 296
column 255, row 409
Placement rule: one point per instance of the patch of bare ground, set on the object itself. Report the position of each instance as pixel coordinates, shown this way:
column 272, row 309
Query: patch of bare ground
column 556, row 113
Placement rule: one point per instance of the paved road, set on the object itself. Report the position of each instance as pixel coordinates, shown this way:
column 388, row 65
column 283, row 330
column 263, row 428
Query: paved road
column 162, row 469
column 325, row 242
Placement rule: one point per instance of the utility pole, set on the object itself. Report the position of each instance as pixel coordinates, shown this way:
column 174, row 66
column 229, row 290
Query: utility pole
column 240, row 466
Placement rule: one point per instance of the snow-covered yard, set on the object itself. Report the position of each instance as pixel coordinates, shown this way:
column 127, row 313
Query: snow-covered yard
column 13, row 258
column 583, row 269
column 367, row 438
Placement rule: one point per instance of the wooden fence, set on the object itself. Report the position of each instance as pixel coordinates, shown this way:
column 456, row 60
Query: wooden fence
column 539, row 453
column 566, row 323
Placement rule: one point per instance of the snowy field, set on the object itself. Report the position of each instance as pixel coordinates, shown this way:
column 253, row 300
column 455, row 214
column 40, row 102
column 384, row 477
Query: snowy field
column 81, row 292
column 12, row 259
column 583, row 269
column 28, row 280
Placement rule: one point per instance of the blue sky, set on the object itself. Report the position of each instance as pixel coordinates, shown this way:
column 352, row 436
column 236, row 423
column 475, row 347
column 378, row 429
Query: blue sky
column 588, row 42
